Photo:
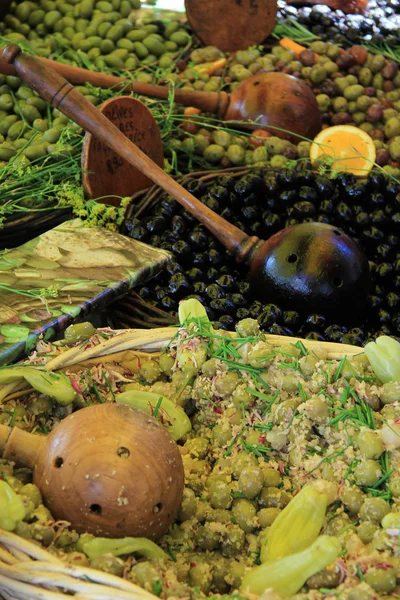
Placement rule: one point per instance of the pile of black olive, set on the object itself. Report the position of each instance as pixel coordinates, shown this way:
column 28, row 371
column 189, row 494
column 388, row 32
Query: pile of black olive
column 262, row 203
column 380, row 23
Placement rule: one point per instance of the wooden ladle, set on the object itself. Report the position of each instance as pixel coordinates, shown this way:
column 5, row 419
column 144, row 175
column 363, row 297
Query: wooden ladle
column 312, row 267
column 108, row 469
column 277, row 100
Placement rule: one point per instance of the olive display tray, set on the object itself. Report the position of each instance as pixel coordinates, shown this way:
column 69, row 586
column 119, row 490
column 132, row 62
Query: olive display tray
column 68, row 271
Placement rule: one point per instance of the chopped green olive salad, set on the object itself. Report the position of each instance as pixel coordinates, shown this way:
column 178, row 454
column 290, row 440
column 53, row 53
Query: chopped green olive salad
column 292, row 465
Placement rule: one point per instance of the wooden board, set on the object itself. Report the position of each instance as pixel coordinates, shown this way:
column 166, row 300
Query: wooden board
column 106, row 173
column 231, row 24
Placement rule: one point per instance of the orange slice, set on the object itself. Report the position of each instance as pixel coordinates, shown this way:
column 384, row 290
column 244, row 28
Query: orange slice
column 345, row 148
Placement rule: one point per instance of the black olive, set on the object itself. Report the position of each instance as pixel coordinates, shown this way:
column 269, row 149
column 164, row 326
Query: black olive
column 195, row 274
column 199, row 287
column 214, row 291
column 138, row 233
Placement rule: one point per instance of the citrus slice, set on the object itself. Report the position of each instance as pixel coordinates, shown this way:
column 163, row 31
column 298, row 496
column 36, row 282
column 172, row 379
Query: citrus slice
column 345, row 148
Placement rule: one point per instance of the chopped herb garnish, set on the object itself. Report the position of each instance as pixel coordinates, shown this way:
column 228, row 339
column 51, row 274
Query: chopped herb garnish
column 171, row 553
column 108, row 385
column 328, row 459
column 359, row 573
column 312, row 451
column 339, row 369
column 157, row 587
column 14, row 416
column 266, row 427
column 97, row 393
column 300, row 346
column 295, row 413
column 257, row 449
column 238, row 495
column 302, row 392
column 157, row 408
column 233, row 442
column 294, row 366
column 351, row 466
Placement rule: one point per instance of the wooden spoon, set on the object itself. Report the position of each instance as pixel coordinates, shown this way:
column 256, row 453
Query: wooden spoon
column 267, row 99
column 108, row 469
column 314, row 267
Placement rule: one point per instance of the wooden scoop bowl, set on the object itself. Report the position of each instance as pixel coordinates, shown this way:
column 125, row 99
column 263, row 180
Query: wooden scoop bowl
column 276, row 100
column 108, row 469
column 327, row 271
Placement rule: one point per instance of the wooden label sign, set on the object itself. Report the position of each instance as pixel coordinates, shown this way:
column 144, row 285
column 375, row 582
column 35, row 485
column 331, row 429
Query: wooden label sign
column 105, row 172
column 231, row 25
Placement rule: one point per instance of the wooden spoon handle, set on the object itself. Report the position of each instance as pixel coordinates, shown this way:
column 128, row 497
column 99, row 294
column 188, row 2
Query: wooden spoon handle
column 20, row 446
column 214, row 102
column 63, row 96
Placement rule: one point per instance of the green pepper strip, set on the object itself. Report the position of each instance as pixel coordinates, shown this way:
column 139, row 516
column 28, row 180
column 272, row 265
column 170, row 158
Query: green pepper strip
column 56, row 386
column 172, row 416
column 384, row 356
column 147, row 548
column 12, row 508
column 286, row 576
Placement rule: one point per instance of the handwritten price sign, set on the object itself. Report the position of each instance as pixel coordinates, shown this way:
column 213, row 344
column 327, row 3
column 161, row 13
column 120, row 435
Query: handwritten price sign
column 106, row 173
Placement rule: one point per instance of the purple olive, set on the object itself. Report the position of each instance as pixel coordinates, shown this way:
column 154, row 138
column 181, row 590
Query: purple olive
column 313, row 268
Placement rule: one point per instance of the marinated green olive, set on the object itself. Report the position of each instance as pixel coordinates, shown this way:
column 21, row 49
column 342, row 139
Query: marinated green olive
column 80, row 332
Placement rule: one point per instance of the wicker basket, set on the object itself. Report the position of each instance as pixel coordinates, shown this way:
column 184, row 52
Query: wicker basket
column 28, row 572
column 19, row 229
column 132, row 310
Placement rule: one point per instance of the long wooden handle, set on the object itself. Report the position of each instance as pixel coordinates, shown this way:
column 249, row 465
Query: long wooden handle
column 20, row 446
column 63, row 96
column 214, row 102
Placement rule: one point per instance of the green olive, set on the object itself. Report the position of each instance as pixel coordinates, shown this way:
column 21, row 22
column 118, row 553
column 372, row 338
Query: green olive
column 352, row 498
column 366, row 531
column 79, row 332
column 272, row 497
column 220, row 494
column 394, row 486
column 226, row 383
column 32, row 492
column 367, row 472
column 150, row 371
column 242, row 461
column 109, row 564
column 381, row 580
column 374, row 509
column 370, row 444
column 266, row 516
column 244, row 513
column 233, row 541
column 251, row 481
column 206, row 539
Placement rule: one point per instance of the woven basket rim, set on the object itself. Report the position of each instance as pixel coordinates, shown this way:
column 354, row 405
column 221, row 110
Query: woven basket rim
column 154, row 340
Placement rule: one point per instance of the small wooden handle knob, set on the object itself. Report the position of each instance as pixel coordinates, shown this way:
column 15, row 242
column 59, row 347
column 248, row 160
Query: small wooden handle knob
column 10, row 52
column 20, row 446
